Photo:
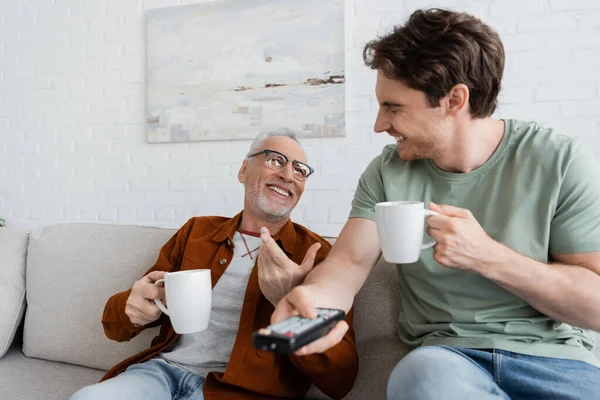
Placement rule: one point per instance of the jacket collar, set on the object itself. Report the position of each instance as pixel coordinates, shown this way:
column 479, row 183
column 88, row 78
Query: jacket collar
column 286, row 237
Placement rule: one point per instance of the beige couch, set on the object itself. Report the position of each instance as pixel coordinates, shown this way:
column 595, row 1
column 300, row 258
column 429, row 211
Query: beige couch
column 67, row 272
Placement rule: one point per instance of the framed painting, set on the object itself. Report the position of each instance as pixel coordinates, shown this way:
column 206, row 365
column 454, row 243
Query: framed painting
column 231, row 69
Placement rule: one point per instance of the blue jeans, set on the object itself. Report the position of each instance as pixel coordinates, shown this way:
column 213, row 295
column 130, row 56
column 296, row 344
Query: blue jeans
column 154, row 379
column 440, row 372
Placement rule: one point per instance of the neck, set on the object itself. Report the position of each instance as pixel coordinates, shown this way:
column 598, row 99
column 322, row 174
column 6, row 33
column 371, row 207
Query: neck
column 472, row 144
column 252, row 223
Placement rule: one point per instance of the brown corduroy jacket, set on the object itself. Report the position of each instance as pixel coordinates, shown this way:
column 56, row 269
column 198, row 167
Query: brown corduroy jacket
column 207, row 243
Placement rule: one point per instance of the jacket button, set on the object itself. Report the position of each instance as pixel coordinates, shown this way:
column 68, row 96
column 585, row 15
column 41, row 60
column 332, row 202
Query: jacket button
column 223, row 261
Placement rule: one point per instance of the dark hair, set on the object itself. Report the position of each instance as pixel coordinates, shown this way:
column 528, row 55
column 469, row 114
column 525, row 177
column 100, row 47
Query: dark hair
column 437, row 49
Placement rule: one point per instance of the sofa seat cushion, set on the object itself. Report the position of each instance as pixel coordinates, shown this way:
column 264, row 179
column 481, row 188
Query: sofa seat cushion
column 376, row 310
column 29, row 378
column 72, row 270
column 13, row 251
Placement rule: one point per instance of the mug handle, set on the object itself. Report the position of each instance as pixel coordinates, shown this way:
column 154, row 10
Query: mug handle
column 429, row 213
column 158, row 302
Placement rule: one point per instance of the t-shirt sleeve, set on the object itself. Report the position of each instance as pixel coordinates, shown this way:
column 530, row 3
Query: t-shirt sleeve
column 369, row 191
column 575, row 227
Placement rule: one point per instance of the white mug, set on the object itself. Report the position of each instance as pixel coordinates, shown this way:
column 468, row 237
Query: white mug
column 400, row 225
column 189, row 299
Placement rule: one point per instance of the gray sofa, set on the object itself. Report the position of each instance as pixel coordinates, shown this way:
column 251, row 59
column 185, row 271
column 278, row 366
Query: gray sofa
column 67, row 272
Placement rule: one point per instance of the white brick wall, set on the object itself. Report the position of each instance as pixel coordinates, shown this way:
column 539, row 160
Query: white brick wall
column 72, row 141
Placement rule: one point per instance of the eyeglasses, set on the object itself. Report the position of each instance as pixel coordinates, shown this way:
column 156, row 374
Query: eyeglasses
column 276, row 161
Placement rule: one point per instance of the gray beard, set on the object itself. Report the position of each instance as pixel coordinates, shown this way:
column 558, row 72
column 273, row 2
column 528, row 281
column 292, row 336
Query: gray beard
column 271, row 213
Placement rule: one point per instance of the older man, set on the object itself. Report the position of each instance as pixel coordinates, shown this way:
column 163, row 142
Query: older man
column 220, row 362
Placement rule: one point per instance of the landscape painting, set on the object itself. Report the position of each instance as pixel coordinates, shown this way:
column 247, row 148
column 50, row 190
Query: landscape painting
column 231, row 69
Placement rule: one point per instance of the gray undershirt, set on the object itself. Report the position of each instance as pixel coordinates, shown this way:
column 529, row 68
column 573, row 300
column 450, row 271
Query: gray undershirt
column 210, row 349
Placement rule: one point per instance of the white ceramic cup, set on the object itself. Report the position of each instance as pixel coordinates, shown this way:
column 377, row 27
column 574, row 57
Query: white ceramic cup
column 189, row 299
column 400, row 225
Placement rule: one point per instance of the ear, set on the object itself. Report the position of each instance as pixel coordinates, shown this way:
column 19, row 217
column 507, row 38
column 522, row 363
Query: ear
column 458, row 99
column 242, row 173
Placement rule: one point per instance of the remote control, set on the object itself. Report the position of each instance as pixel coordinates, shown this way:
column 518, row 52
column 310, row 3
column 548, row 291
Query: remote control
column 290, row 335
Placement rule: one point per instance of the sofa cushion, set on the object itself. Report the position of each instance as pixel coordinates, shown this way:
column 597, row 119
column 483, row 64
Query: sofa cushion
column 13, row 251
column 379, row 347
column 29, row 378
column 72, row 270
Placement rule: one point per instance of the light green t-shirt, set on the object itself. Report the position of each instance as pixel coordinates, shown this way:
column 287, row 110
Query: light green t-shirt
column 539, row 194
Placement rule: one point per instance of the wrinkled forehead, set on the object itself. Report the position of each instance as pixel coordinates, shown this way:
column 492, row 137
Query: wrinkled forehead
column 286, row 146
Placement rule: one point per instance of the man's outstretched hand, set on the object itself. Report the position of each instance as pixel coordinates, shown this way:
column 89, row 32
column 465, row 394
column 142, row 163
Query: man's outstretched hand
column 277, row 274
column 301, row 301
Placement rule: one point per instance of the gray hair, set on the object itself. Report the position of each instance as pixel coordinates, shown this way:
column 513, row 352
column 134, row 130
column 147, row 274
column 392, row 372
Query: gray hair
column 260, row 138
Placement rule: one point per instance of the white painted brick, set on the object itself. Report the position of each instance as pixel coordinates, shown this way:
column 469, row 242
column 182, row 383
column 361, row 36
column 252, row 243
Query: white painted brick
column 108, row 132
column 576, row 127
column 126, row 214
column 529, row 111
column 589, row 19
column 86, row 173
column 504, row 26
column 127, row 118
column 90, row 214
column 88, row 59
column 55, row 214
column 19, row 213
column 516, row 94
column 361, row 37
column 234, row 201
column 73, row 214
column 333, row 182
column 317, row 214
column 131, row 171
column 516, row 7
column 110, row 185
column 51, row 199
column 587, row 108
column 367, row 6
column 124, row 199
column 108, row 214
column 339, row 215
column 325, row 229
column 21, row 200
column 124, row 62
column 12, row 187
column 186, row 184
column 125, row 90
column 168, row 171
column 298, row 215
column 222, row 184
column 161, row 198
column 119, row 7
column 144, row 155
column 562, row 5
column 149, row 185
column 86, row 199
column 411, row 5
column 524, row 41
column 93, row 147
column 564, row 92
column 130, row 76
column 552, row 22
column 144, row 213
column 87, row 9
column 206, row 200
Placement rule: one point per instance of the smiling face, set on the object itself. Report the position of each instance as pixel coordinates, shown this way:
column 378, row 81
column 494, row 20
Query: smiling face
column 272, row 195
column 420, row 131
